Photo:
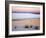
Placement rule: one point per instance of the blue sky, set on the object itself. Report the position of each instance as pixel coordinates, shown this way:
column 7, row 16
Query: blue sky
column 24, row 15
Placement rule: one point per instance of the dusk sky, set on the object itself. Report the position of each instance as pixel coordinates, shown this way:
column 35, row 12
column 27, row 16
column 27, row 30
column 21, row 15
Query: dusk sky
column 29, row 9
column 19, row 12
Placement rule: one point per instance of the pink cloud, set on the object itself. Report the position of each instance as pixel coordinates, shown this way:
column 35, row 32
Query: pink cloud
column 32, row 9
